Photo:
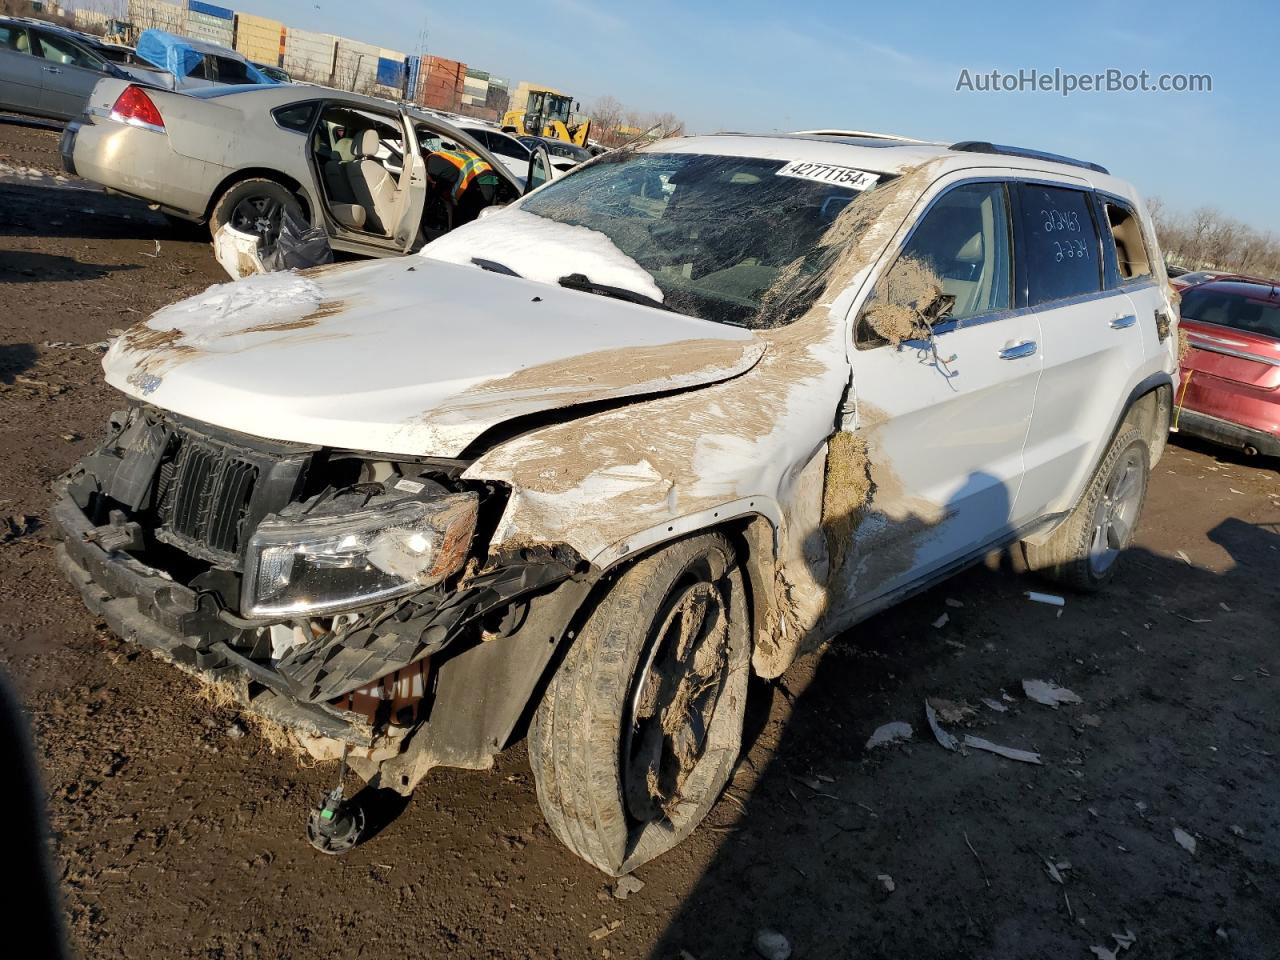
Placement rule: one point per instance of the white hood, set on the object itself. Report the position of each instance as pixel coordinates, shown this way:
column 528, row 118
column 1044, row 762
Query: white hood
column 410, row 356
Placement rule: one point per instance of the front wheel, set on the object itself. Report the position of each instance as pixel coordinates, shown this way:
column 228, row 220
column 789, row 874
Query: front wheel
column 255, row 206
column 641, row 726
column 1082, row 552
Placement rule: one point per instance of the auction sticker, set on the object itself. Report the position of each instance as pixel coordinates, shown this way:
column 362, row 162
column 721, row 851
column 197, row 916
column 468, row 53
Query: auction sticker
column 830, row 173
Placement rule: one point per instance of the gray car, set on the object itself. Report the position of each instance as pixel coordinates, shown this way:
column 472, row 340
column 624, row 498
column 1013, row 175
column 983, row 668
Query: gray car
column 382, row 178
column 49, row 71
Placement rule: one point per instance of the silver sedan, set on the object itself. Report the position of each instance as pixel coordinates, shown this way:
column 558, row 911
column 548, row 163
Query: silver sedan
column 383, row 178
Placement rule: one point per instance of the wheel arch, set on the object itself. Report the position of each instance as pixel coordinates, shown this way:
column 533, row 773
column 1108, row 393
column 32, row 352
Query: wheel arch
column 260, row 173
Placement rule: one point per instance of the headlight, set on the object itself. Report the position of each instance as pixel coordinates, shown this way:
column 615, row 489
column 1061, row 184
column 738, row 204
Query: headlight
column 330, row 563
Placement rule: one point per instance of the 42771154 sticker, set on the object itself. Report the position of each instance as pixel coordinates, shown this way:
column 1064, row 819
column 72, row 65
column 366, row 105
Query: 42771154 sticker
column 847, row 177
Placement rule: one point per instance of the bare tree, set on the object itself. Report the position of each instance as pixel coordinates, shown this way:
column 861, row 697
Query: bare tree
column 1208, row 239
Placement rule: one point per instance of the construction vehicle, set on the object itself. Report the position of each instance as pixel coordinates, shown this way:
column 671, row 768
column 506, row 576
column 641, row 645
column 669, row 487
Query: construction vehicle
column 548, row 113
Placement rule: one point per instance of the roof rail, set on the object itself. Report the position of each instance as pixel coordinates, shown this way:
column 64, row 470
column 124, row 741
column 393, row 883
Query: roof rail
column 983, row 146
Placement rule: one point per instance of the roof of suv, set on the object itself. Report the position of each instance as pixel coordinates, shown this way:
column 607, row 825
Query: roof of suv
column 881, row 154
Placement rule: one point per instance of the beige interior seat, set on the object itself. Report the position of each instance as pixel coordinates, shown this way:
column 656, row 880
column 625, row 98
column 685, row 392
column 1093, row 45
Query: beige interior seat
column 372, row 186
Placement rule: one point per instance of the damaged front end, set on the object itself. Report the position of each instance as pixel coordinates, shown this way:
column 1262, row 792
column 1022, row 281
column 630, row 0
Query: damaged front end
column 346, row 596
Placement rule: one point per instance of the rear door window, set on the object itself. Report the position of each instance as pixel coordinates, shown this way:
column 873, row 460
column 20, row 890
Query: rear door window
column 1057, row 243
column 58, row 50
column 231, row 71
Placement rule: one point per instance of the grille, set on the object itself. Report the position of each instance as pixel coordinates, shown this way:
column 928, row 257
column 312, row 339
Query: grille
column 209, row 495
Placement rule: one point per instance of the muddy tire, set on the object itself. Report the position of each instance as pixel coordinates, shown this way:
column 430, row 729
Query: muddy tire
column 254, row 206
column 641, row 725
column 1083, row 551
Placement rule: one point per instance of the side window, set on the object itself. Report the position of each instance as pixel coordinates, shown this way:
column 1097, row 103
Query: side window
column 231, row 71
column 956, row 264
column 1058, row 243
column 14, row 38
column 58, row 50
column 507, row 147
column 202, row 69
column 297, row 117
column 1126, row 234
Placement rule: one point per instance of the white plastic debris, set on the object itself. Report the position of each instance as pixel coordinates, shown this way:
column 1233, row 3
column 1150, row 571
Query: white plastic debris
column 941, row 621
column 1049, row 694
column 1009, row 753
column 954, row 603
column 1050, row 598
column 1123, row 942
column 995, row 705
column 890, row 733
column 886, row 882
column 237, row 252
column 627, row 885
column 1185, row 840
column 1056, row 868
column 772, row 945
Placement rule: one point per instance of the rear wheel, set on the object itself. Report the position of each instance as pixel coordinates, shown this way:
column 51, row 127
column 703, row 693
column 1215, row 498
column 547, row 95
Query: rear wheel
column 256, row 207
column 642, row 723
column 1083, row 551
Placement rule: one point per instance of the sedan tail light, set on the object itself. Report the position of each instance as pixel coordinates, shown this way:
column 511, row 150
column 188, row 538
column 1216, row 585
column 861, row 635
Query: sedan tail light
column 135, row 108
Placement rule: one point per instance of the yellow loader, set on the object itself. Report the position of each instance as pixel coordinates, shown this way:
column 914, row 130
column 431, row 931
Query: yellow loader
column 548, row 114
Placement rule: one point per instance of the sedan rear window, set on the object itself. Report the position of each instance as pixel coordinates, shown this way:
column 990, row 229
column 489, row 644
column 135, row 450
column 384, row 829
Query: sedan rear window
column 1233, row 310
column 714, row 232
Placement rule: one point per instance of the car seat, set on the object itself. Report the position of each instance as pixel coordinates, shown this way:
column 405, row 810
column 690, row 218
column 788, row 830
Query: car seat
column 371, row 185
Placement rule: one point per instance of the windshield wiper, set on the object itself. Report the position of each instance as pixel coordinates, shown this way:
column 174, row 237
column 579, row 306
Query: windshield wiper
column 580, row 281
column 493, row 266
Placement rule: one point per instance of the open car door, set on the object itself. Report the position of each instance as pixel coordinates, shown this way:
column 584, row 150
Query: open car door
column 540, row 168
column 413, row 188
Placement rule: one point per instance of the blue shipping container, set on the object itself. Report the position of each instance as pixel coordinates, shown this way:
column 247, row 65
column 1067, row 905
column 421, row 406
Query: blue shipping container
column 415, row 68
column 199, row 6
column 390, row 72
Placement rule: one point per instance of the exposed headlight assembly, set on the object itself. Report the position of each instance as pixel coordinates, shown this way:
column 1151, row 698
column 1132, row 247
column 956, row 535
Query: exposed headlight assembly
column 315, row 566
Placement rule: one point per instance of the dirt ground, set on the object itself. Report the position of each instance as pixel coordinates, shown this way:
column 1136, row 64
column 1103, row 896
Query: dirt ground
column 176, row 834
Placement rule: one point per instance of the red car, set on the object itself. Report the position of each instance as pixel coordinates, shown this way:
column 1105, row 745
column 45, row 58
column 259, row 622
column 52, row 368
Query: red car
column 1230, row 389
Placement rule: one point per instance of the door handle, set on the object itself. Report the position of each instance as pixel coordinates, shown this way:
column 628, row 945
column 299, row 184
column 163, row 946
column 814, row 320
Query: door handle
column 52, row 70
column 1123, row 323
column 1016, row 351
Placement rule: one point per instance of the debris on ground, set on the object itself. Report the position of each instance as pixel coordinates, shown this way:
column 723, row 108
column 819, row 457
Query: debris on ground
column 772, row 945
column 952, row 711
column 942, row 621
column 1056, row 868
column 1048, row 694
column 16, row 527
column 626, row 886
column 1009, row 753
column 953, row 602
column 885, row 883
column 1050, row 598
column 995, row 705
column 1185, row 840
column 890, row 733
column 235, row 731
column 945, row 740
column 600, row 932
column 1123, row 942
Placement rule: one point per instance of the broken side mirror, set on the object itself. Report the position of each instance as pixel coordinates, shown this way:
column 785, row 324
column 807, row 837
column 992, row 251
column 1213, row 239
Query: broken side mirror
column 906, row 305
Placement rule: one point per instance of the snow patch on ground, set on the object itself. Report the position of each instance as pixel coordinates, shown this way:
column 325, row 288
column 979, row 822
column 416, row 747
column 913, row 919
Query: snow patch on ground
column 543, row 250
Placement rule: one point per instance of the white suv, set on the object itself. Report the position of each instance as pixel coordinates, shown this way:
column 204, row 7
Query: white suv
column 678, row 416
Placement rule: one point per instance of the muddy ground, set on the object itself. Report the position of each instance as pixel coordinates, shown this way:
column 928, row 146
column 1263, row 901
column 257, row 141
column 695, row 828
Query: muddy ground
column 177, row 835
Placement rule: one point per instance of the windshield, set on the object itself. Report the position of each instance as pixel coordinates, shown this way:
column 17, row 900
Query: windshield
column 1232, row 310
column 714, row 232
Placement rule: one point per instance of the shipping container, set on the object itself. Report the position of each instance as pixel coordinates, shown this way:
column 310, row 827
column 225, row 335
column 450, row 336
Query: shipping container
column 391, row 74
column 260, row 39
column 211, row 29
column 441, row 83
column 157, row 15
column 309, row 56
column 355, row 65
column 209, row 10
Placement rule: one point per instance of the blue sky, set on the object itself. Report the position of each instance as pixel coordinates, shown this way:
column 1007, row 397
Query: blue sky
column 760, row 65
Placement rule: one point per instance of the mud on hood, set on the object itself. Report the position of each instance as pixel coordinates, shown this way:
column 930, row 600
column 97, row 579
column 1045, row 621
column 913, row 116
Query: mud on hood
column 409, row 356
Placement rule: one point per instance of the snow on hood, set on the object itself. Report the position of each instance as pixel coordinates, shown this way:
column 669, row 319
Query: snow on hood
column 408, row 355
column 543, row 250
